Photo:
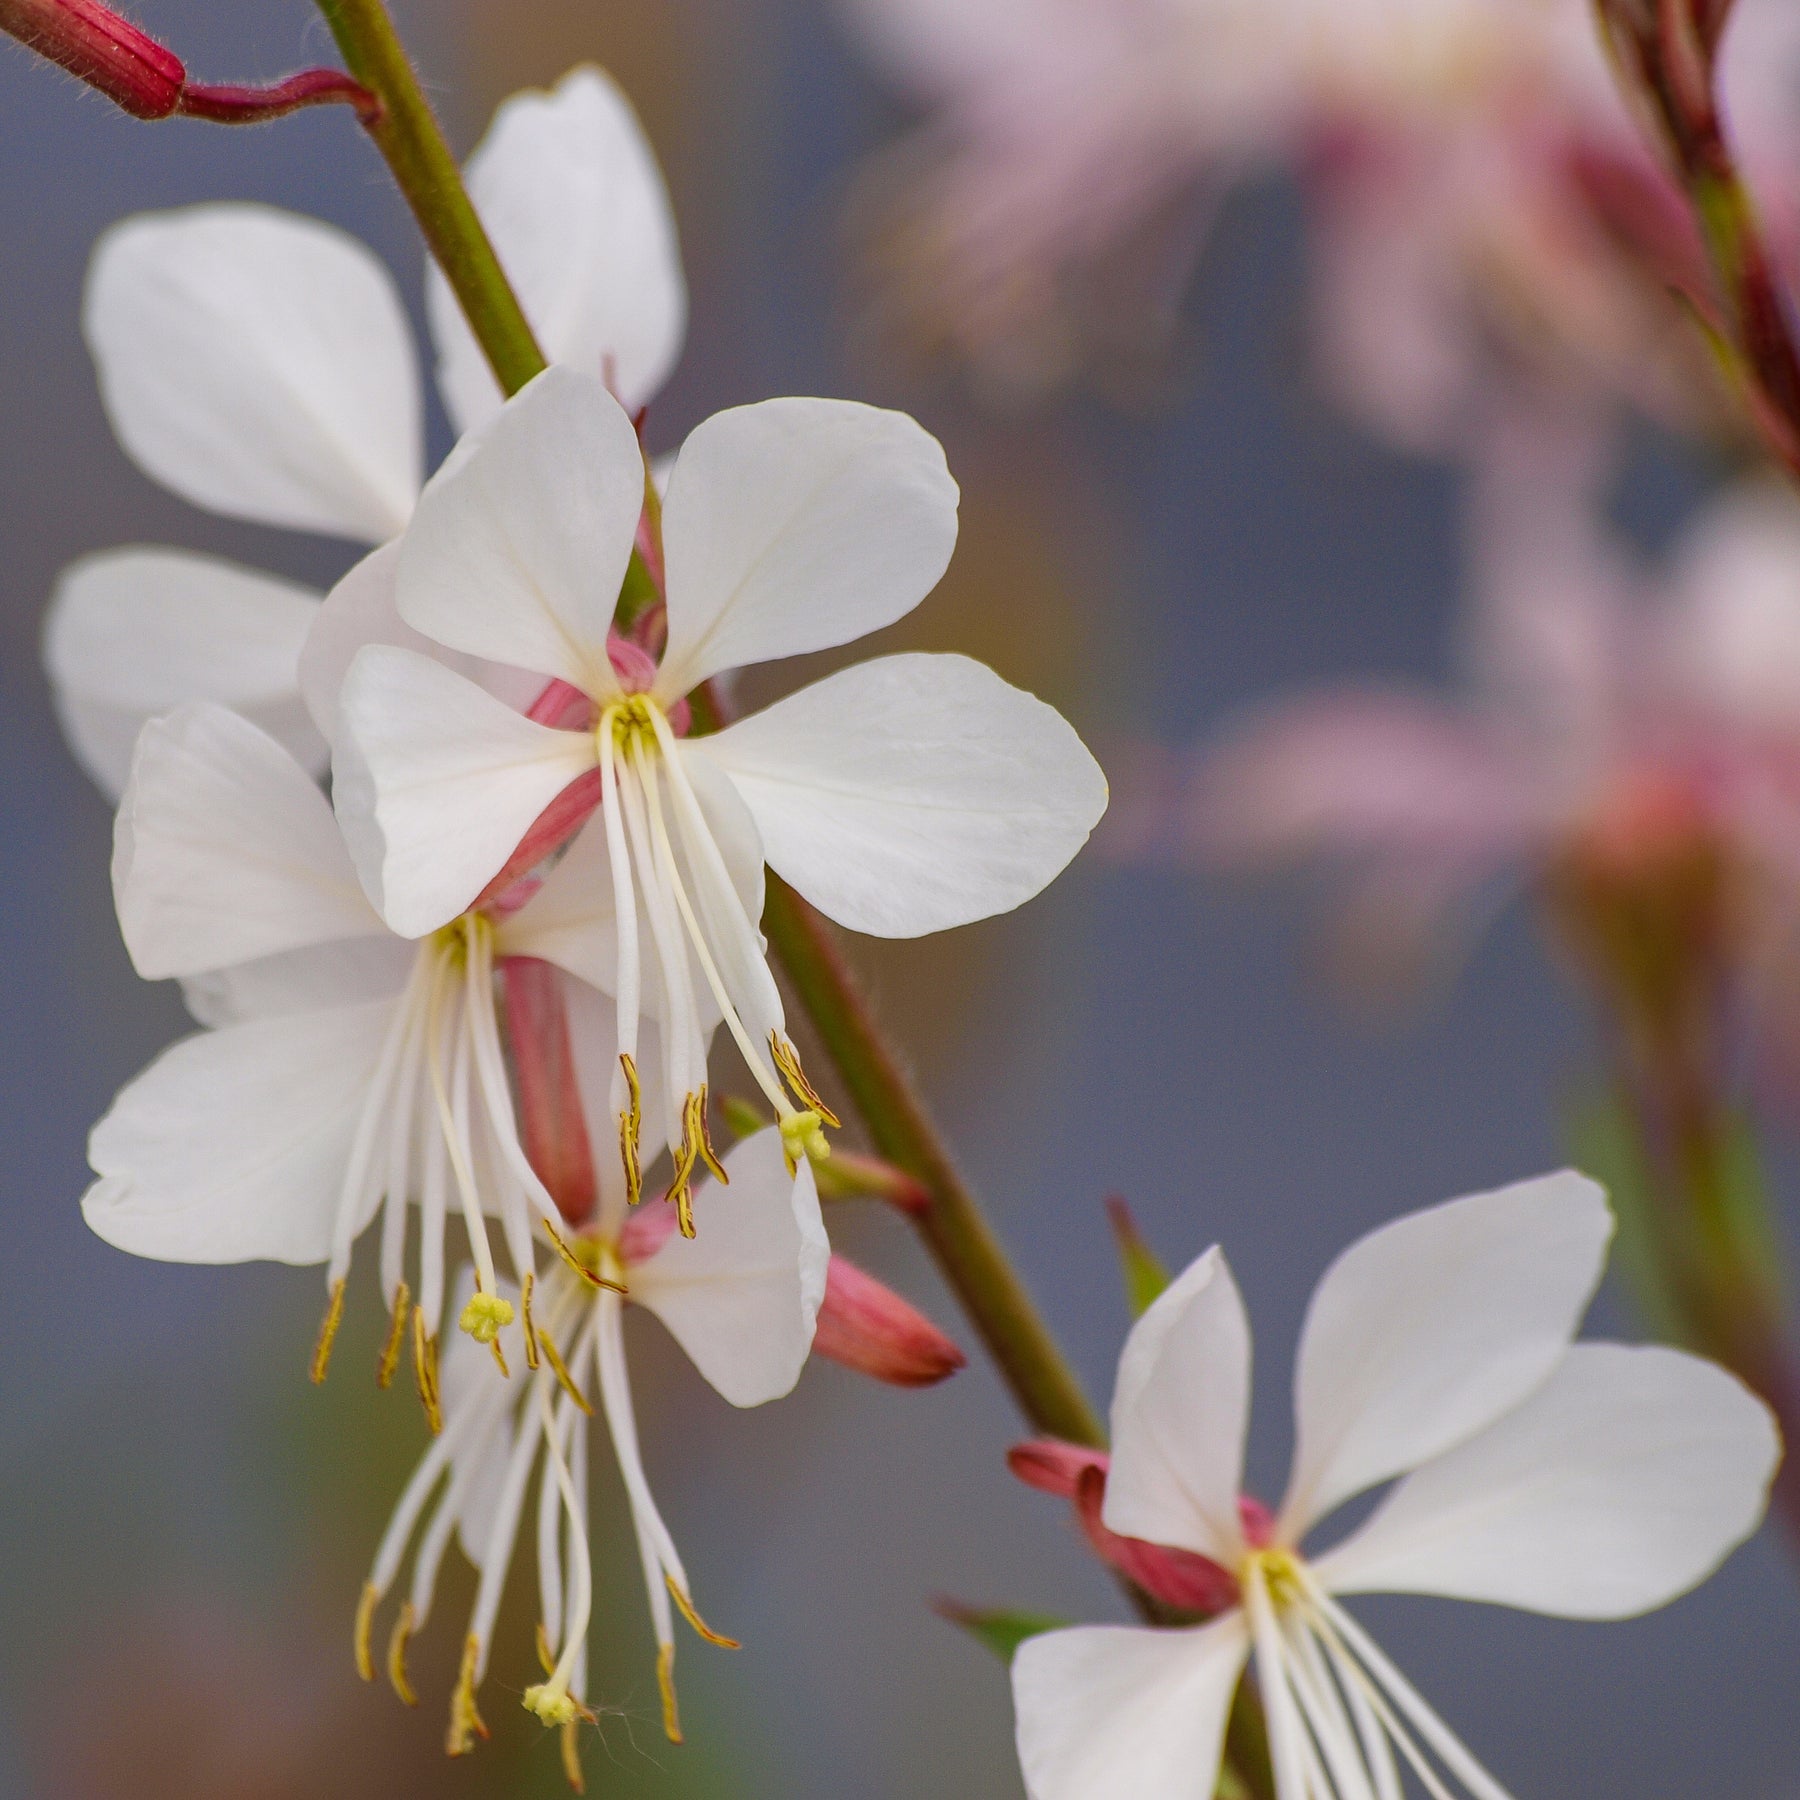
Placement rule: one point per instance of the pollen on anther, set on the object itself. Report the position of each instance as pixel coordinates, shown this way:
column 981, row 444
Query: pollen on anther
column 334, row 1317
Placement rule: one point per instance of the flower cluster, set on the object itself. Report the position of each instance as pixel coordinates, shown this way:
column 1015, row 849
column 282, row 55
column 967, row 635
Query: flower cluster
column 472, row 991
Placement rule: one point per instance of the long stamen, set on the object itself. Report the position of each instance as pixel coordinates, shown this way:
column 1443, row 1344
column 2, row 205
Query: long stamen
column 328, row 1330
column 1285, row 1729
column 629, row 970
column 552, row 1701
column 425, row 1370
column 1321, row 1705
column 631, row 1131
column 450, row 1126
column 396, row 1337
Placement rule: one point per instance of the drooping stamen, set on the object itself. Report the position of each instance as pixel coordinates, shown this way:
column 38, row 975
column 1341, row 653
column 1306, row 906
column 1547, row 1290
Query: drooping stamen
column 390, row 1351
column 334, row 1317
column 787, row 1060
column 364, row 1630
column 405, row 1623
column 590, row 1275
column 552, row 1701
column 1286, row 1733
column 665, row 1683
column 453, row 1120
column 571, row 1756
column 531, row 1339
column 425, row 1371
column 631, row 1129
column 686, row 1605
column 560, row 1369
column 466, row 1722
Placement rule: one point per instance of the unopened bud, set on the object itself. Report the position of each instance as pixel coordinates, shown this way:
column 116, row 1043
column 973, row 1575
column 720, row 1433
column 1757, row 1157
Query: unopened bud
column 1052, row 1466
column 1183, row 1579
column 97, row 46
column 866, row 1326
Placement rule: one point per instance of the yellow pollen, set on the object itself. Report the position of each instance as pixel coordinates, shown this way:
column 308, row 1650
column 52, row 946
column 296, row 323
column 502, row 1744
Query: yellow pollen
column 486, row 1316
column 365, row 1622
column 425, row 1371
column 787, row 1060
column 803, row 1135
column 466, row 1723
column 1280, row 1572
column 695, row 1620
column 390, row 1351
column 631, row 723
column 404, row 1626
column 531, row 1343
column 584, row 1257
column 631, row 1125
column 334, row 1317
column 665, row 1681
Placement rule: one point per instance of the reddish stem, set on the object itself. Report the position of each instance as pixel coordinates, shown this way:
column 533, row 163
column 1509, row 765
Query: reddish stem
column 230, row 104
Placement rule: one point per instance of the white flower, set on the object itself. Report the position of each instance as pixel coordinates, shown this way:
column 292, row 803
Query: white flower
column 1587, row 1481
column 901, row 796
column 260, row 365
column 741, row 1301
column 345, row 1066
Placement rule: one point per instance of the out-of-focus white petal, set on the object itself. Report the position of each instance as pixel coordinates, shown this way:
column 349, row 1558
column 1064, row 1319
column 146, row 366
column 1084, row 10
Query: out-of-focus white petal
column 224, row 850
column 1428, row 1329
column 133, row 633
column 1625, row 1480
column 1117, row 1712
column 521, row 539
column 913, row 793
column 435, row 782
column 795, row 524
column 742, row 1296
column 570, row 193
column 1179, row 1414
column 231, row 1146
column 259, row 364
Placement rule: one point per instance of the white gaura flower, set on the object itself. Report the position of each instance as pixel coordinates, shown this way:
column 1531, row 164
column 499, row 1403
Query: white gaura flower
column 902, row 796
column 741, row 1301
column 260, row 365
column 344, row 1069
column 1587, row 1481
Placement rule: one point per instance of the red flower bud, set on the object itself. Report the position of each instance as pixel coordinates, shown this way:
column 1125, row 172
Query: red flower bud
column 866, row 1326
column 1053, row 1467
column 96, row 46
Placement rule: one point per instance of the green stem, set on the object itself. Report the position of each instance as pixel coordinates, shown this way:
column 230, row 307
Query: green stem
column 412, row 143
column 954, row 1228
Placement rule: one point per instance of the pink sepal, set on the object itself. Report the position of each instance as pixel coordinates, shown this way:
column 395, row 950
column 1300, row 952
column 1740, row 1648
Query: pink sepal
column 552, row 1126
column 866, row 1326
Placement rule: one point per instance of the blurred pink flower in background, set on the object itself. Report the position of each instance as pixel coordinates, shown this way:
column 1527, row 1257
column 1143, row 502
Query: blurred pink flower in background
column 1616, row 721
column 1478, row 196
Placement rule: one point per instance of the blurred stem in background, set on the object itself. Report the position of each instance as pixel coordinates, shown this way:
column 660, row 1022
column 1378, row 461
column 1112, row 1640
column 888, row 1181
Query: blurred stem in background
column 1652, row 929
column 955, row 1229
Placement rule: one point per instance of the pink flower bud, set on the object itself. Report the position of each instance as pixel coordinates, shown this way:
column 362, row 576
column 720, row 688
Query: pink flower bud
column 552, row 1126
column 1053, row 1467
column 866, row 1326
column 96, row 46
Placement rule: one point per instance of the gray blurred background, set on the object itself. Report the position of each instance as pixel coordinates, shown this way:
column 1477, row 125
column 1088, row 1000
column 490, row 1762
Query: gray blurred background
column 184, row 1521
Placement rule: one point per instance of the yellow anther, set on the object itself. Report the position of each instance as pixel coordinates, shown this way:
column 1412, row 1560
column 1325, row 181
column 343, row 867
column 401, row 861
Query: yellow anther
column 390, row 1351
column 571, row 1757
column 486, row 1316
column 466, row 1723
column 552, row 1704
column 1281, row 1571
column 665, row 1682
column 631, row 1126
column 567, row 1382
column 425, row 1371
column 365, row 1624
column 803, row 1135
column 787, row 1060
column 708, row 1154
column 546, row 1655
column 582, row 1256
column 334, row 1317
column 404, row 1626
column 695, row 1620
column 680, row 1185
column 531, row 1345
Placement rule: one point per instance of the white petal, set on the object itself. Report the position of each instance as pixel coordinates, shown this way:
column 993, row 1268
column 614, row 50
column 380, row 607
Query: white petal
column 794, row 525
column 1424, row 1331
column 1116, row 1712
column 132, row 633
column 913, row 793
column 1179, row 1414
column 345, row 973
column 521, row 539
column 1626, row 1479
column 742, row 1296
column 575, row 205
column 232, row 1144
column 224, row 850
column 259, row 364
column 435, row 783
column 362, row 610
